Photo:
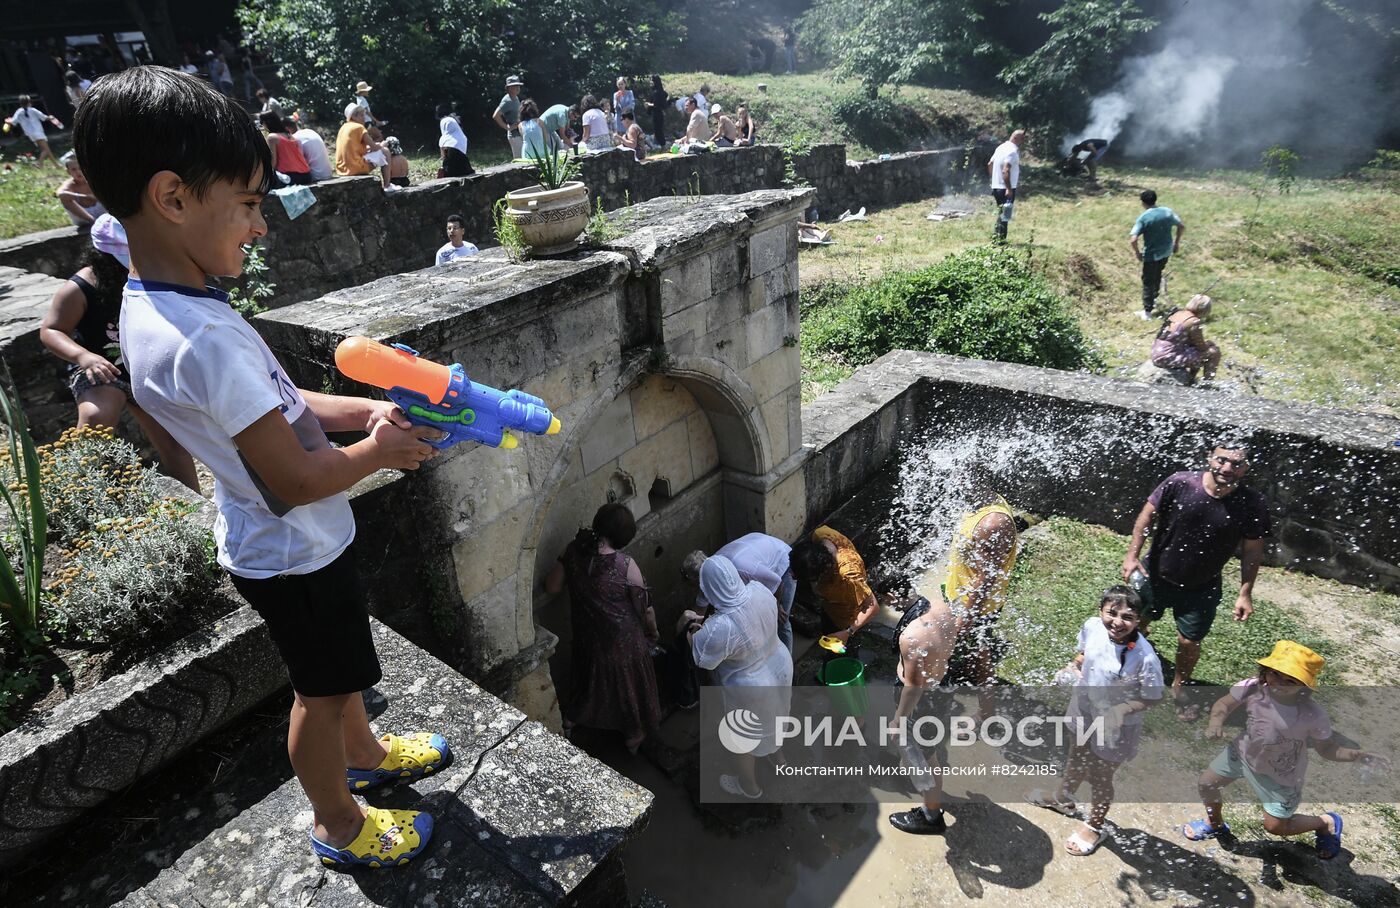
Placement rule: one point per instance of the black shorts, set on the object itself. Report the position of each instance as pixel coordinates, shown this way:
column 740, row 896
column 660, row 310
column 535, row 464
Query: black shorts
column 320, row 624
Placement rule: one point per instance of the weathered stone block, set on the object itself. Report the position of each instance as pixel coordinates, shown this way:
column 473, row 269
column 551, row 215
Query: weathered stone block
column 765, row 331
column 478, row 483
column 491, row 636
column 685, row 284
column 704, row 453
column 612, row 434
column 490, row 554
column 775, row 420
column 769, row 249
column 779, row 283
column 664, row 455
column 778, row 370
column 727, row 267
column 657, row 402
column 724, row 308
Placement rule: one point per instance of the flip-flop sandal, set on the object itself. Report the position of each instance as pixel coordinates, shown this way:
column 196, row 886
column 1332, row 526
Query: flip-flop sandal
column 387, row 838
column 1039, row 798
column 1200, row 830
column 1329, row 844
column 1081, row 846
column 408, row 758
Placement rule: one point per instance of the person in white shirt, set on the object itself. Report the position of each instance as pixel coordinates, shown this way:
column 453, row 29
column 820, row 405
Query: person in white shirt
column 452, row 145
column 701, row 101
column 362, row 90
column 455, row 247
column 313, row 148
column 1005, row 171
column 760, row 558
column 31, row 122
column 597, row 134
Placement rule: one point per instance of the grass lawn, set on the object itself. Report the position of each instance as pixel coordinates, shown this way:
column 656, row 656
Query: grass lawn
column 27, row 202
column 1308, row 299
column 801, row 108
column 1065, row 565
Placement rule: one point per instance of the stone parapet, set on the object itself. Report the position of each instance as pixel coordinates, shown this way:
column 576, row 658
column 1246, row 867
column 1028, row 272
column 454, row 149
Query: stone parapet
column 1092, row 448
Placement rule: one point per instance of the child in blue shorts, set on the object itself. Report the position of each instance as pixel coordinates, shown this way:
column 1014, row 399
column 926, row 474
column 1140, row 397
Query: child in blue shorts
column 1282, row 722
column 185, row 171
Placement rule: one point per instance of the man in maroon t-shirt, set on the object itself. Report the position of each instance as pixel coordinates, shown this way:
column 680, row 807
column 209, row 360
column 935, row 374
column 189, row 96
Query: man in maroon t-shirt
column 1202, row 519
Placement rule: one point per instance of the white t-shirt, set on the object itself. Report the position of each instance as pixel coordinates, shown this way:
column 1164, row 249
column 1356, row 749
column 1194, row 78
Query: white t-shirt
column 596, row 122
column 31, row 121
column 452, row 135
column 702, row 102
column 449, row 252
column 362, row 101
column 205, row 375
column 313, row 148
column 1113, row 673
column 1006, row 152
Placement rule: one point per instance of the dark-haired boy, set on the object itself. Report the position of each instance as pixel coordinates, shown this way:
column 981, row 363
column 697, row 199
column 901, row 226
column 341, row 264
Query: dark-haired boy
column 1154, row 225
column 185, row 171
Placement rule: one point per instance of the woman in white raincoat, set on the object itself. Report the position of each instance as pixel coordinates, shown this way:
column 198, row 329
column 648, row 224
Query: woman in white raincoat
column 739, row 645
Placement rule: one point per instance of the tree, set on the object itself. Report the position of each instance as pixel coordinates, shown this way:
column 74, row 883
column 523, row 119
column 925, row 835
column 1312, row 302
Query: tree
column 419, row 53
column 1054, row 85
column 894, row 42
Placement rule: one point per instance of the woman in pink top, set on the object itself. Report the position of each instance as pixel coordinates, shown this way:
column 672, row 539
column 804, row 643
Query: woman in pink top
column 286, row 151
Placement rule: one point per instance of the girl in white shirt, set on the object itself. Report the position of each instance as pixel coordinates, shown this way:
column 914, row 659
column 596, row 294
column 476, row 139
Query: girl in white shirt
column 1118, row 676
column 597, row 134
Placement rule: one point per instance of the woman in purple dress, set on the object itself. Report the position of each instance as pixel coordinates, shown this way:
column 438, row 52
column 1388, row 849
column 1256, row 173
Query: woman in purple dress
column 614, row 626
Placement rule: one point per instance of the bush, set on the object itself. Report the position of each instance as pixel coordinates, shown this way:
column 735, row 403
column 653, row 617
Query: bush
column 130, row 558
column 879, row 122
column 984, row 303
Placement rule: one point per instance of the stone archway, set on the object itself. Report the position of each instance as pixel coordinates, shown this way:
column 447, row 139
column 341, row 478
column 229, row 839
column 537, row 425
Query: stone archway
column 667, row 444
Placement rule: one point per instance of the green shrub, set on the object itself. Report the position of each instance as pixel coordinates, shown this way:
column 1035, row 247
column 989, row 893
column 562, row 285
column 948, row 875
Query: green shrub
column 983, row 303
column 879, row 122
column 129, row 557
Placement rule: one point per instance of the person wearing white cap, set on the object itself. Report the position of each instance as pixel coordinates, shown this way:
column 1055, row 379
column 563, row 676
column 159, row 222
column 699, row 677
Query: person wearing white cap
column 726, row 133
column 81, row 327
column 507, row 115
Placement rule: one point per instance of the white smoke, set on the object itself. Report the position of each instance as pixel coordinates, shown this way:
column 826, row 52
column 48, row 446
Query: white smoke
column 1240, row 74
column 1174, row 92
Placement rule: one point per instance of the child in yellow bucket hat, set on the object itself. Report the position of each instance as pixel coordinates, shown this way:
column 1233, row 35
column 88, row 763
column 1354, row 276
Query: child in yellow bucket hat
column 1271, row 753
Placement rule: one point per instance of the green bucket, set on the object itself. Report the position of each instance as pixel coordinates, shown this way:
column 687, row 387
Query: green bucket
column 844, row 679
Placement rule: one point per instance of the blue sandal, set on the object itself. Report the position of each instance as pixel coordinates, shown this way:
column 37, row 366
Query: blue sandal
column 408, row 758
column 1329, row 844
column 1200, row 830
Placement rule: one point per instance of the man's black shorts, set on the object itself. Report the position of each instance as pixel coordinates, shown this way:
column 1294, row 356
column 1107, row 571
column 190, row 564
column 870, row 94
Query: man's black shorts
column 320, row 624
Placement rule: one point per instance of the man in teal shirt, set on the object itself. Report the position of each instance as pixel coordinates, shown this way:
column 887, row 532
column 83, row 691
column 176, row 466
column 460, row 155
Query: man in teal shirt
column 1154, row 226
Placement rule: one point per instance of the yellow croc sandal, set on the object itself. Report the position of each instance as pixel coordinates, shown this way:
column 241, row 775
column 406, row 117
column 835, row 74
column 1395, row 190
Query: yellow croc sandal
column 388, row 838
column 408, row 758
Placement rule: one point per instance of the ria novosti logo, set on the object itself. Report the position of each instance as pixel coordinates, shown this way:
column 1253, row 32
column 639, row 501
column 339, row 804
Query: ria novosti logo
column 740, row 731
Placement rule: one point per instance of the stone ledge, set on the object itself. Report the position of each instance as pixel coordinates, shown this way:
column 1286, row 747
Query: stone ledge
column 523, row 818
column 666, row 229
column 92, row 746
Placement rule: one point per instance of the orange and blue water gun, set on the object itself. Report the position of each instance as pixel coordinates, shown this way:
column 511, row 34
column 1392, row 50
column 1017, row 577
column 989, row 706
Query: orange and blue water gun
column 443, row 397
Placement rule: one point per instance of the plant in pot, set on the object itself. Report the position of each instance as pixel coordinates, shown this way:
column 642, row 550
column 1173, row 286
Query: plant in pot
column 550, row 216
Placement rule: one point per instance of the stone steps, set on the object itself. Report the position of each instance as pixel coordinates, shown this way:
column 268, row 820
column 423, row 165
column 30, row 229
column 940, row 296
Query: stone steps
column 523, row 817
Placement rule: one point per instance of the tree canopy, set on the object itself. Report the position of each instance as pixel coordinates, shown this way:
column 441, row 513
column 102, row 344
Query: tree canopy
column 419, row 53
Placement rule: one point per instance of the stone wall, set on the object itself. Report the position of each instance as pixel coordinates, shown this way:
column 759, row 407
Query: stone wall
column 669, row 356
column 356, row 232
column 1092, row 448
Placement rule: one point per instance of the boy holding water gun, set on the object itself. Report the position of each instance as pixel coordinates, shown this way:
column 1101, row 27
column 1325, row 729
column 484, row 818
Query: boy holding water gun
column 185, row 170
